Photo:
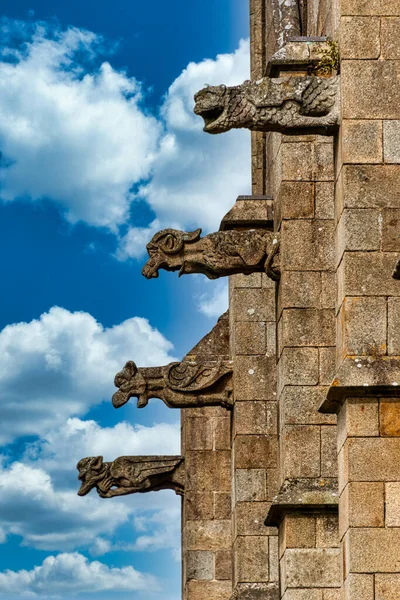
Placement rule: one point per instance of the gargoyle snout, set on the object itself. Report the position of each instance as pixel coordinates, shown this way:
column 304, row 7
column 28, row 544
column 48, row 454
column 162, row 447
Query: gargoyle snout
column 150, row 270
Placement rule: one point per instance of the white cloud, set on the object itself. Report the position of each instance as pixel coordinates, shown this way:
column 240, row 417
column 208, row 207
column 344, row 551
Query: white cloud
column 215, row 302
column 80, row 134
column 79, row 138
column 196, row 177
column 68, row 574
column 63, row 363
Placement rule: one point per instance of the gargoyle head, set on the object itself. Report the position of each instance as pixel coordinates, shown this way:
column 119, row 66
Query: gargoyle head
column 212, row 104
column 131, row 383
column 166, row 251
column 92, row 471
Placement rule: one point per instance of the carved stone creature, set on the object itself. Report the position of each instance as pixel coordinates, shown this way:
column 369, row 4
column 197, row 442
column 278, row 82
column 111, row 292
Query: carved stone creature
column 215, row 255
column 179, row 385
column 131, row 475
column 289, row 104
column 396, row 272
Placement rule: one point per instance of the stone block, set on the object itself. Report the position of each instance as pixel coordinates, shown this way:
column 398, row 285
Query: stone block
column 359, row 587
column 332, row 594
column 371, row 186
column 299, row 406
column 324, row 200
column 327, row 531
column 323, row 163
column 198, row 505
column 299, row 366
column 223, row 564
column 392, row 504
column 373, row 459
column 222, row 505
column 246, row 281
column 199, row 565
column 364, row 550
column 393, row 326
column 296, row 199
column 368, row 274
column 364, row 326
column 312, row 567
column 370, row 7
column 360, row 37
column 328, row 451
column 222, row 434
column 387, row 587
column 327, row 365
column 362, row 505
column 307, row 245
column 208, row 471
column 391, row 230
column 251, row 559
column 358, row 229
column 300, row 451
column 273, row 558
column 249, row 518
column 208, row 535
column 391, row 141
column 250, row 485
column 308, row 327
column 253, row 305
column 328, row 296
column 389, row 413
column 250, row 338
column 297, row 161
column 297, row 531
column 390, row 35
column 299, row 289
column 309, row 594
column 254, row 378
column 212, row 590
column 254, row 451
column 369, row 89
column 198, row 434
column 256, row 417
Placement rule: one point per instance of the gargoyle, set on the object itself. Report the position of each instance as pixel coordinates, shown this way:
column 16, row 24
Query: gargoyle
column 178, row 385
column 131, row 475
column 215, row 255
column 396, row 272
column 294, row 104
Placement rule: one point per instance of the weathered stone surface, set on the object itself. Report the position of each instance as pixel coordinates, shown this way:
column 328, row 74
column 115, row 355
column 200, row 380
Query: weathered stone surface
column 360, row 37
column 299, row 289
column 371, row 186
column 312, row 567
column 250, row 337
column 299, row 406
column 393, row 326
column 391, row 141
column 297, row 531
column 362, row 504
column 390, row 33
column 131, row 475
column 208, row 535
column 359, row 418
column 299, row 366
column 250, row 485
column 364, row 326
column 357, row 587
column 251, row 559
column 327, row 531
column 363, row 548
column 307, row 245
column 253, row 304
column 370, row 7
column 223, row 564
column 255, row 591
column 296, row 200
column 308, row 327
column 390, row 230
column 255, row 451
column 389, row 418
column 208, row 470
column 373, row 459
column 178, row 385
column 392, row 504
column 215, row 255
column 199, row 565
column 258, row 417
column 249, row 519
column 300, row 451
column 387, row 587
column 324, row 200
column 212, row 590
column 254, row 378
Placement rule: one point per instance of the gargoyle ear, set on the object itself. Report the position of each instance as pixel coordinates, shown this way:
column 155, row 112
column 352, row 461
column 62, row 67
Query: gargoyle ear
column 193, row 236
column 130, row 368
column 98, row 463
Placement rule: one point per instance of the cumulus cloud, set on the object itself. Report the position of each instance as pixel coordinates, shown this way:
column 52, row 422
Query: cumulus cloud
column 61, row 364
column 68, row 574
column 69, row 131
column 79, row 133
column 215, row 302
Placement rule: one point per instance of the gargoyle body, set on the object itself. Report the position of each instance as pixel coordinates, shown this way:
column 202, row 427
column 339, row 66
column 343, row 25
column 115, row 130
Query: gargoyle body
column 294, row 104
column 178, row 385
column 131, row 475
column 396, row 272
column 215, row 255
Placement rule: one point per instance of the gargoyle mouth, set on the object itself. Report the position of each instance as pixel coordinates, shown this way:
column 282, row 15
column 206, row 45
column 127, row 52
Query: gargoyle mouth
column 150, row 271
column 211, row 118
column 85, row 488
column 120, row 398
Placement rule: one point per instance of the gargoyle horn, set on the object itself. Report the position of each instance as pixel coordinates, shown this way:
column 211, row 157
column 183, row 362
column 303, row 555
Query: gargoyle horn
column 170, row 241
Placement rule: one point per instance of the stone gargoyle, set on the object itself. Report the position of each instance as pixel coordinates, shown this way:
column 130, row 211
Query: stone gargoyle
column 186, row 384
column 293, row 104
column 131, row 475
column 215, row 255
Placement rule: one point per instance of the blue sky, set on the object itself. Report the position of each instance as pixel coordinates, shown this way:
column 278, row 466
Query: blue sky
column 99, row 150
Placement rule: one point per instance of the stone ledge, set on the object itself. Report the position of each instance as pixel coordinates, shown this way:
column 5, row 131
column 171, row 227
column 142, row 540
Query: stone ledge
column 250, row 212
column 363, row 377
column 256, row 591
column 303, row 496
column 298, row 55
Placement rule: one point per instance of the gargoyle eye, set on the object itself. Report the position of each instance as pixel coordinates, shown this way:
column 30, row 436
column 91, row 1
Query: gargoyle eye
column 169, row 242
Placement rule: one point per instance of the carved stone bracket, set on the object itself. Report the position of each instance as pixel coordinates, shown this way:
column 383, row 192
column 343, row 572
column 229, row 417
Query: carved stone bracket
column 179, row 385
column 304, row 103
column 131, row 475
column 215, row 255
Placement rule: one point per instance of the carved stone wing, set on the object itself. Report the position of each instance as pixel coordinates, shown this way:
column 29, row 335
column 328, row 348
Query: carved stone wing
column 319, row 97
column 192, row 376
column 138, row 469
